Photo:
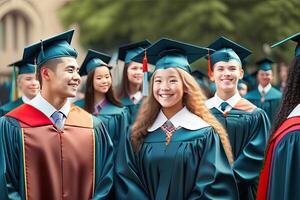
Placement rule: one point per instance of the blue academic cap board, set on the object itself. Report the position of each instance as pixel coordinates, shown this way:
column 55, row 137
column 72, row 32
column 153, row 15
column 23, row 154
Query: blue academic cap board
column 24, row 67
column 166, row 53
column 295, row 38
column 53, row 47
column 93, row 60
column 264, row 64
column 128, row 51
column 226, row 50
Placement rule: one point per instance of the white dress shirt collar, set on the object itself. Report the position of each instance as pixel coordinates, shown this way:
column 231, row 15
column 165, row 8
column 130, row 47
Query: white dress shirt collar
column 137, row 97
column 295, row 112
column 25, row 99
column 45, row 107
column 184, row 118
column 266, row 89
column 216, row 101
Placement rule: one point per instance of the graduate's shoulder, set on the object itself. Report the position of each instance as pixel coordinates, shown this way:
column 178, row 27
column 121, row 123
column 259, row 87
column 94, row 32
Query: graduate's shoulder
column 274, row 94
column 7, row 121
column 80, row 103
column 245, row 105
column 290, row 140
column 126, row 101
column 11, row 105
column 253, row 94
column 112, row 109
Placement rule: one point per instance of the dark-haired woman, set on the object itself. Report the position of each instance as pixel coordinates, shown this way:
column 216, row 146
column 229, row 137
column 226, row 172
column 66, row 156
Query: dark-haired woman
column 280, row 177
column 132, row 79
column 100, row 99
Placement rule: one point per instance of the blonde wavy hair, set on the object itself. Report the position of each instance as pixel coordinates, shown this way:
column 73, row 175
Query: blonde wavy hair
column 193, row 99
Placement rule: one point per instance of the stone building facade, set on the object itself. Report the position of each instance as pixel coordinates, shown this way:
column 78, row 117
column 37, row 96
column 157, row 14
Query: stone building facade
column 23, row 22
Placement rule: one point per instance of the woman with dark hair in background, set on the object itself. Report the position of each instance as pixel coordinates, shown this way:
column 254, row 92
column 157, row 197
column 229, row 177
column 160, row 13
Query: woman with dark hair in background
column 100, row 99
column 280, row 177
column 132, row 79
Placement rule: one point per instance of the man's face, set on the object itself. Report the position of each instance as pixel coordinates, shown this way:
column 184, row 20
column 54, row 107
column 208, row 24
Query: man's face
column 264, row 77
column 28, row 85
column 64, row 80
column 226, row 75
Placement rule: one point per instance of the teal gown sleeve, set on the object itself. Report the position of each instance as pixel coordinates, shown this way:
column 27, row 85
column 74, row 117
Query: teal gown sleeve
column 117, row 125
column 1, row 112
column 193, row 166
column 104, row 162
column 271, row 103
column 248, row 134
column 285, row 175
column 214, row 177
column 248, row 164
column 128, row 184
column 133, row 109
column 80, row 103
column 11, row 151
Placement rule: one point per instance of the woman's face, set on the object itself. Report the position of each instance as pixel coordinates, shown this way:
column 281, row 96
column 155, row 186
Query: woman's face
column 168, row 88
column 28, row 85
column 135, row 73
column 102, row 80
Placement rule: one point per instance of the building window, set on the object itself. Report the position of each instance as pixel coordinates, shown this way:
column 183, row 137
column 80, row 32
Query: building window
column 14, row 31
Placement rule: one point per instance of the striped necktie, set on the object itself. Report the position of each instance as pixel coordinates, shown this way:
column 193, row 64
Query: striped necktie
column 57, row 118
column 263, row 94
column 169, row 129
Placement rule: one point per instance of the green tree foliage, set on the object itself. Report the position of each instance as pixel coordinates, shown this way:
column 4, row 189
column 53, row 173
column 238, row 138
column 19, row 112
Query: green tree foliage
column 106, row 24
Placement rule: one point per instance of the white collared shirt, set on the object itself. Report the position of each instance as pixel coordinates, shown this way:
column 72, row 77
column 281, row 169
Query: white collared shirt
column 25, row 99
column 215, row 102
column 265, row 89
column 295, row 112
column 137, row 97
column 45, row 107
column 184, row 118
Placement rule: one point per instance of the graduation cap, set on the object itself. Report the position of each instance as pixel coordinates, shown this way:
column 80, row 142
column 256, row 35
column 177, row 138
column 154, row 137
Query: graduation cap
column 54, row 47
column 199, row 74
column 166, row 53
column 201, row 78
column 226, row 50
column 93, row 60
column 295, row 38
column 128, row 51
column 24, row 67
column 264, row 64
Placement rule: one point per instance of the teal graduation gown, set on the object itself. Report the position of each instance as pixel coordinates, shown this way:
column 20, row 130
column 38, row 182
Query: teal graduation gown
column 115, row 120
column 133, row 109
column 284, row 174
column 271, row 103
column 52, row 165
column 248, row 131
column 10, row 106
column 192, row 166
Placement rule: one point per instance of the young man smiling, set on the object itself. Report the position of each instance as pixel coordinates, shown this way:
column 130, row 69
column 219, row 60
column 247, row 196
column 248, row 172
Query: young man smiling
column 265, row 96
column 50, row 149
column 247, row 126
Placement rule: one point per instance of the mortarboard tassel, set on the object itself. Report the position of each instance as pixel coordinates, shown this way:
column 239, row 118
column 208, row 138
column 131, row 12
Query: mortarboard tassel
column 209, row 71
column 42, row 50
column 145, row 75
column 14, row 89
